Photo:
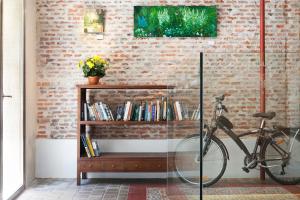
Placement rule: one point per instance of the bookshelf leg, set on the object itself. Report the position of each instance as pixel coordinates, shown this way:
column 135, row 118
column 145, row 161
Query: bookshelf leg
column 84, row 175
column 78, row 177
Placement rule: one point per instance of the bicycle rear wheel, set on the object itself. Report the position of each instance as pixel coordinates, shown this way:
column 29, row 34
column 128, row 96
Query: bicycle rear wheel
column 287, row 170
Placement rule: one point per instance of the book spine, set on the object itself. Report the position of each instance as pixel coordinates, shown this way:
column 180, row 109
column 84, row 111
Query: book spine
column 98, row 109
column 85, row 112
column 91, row 113
column 106, row 110
column 179, row 110
column 193, row 116
column 149, row 112
column 96, row 113
column 140, row 112
column 157, row 110
column 126, row 109
column 119, row 113
column 98, row 149
column 153, row 112
column 165, row 110
column 85, row 146
column 88, row 141
column 143, row 112
column 175, row 111
column 129, row 117
column 102, row 111
column 146, row 111
column 111, row 115
column 95, row 149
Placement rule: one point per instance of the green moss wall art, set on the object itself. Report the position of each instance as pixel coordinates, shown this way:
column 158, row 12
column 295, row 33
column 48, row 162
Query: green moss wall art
column 175, row 21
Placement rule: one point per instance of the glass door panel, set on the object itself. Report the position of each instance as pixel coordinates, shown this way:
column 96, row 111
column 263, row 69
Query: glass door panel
column 12, row 115
column 184, row 133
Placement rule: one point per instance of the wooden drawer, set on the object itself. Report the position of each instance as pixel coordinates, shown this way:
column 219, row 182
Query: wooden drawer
column 89, row 166
column 111, row 165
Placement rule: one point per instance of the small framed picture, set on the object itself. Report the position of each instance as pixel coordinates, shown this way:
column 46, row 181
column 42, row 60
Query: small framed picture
column 94, row 21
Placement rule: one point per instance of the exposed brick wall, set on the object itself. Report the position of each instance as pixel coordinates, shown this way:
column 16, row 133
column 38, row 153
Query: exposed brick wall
column 231, row 61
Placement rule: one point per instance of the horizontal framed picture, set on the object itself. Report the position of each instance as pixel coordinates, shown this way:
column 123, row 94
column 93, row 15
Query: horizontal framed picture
column 94, row 21
column 175, row 21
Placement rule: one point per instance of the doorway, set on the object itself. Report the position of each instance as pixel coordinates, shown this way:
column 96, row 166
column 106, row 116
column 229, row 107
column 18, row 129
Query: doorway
column 12, row 102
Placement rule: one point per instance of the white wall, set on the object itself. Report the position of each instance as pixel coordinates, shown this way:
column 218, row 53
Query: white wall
column 30, row 78
column 57, row 158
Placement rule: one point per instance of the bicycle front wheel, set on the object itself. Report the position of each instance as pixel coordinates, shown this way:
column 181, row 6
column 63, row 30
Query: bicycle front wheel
column 187, row 159
column 282, row 159
column 214, row 161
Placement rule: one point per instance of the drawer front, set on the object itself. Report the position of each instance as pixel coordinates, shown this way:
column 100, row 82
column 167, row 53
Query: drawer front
column 145, row 165
column 89, row 166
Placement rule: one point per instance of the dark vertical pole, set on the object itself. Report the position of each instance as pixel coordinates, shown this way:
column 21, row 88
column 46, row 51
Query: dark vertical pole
column 201, row 118
column 262, row 68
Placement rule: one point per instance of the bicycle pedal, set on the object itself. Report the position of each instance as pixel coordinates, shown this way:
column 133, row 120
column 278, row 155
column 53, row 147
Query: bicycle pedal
column 245, row 169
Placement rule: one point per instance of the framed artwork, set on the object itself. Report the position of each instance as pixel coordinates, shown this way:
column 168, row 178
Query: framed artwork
column 175, row 21
column 94, row 21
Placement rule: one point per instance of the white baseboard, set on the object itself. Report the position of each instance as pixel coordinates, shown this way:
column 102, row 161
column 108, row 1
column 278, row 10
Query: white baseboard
column 56, row 158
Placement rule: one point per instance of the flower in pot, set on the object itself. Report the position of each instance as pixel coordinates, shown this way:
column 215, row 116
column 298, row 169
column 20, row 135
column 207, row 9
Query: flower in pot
column 93, row 68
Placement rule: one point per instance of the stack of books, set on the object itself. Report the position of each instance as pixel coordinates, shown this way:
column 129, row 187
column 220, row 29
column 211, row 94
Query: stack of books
column 91, row 147
column 97, row 111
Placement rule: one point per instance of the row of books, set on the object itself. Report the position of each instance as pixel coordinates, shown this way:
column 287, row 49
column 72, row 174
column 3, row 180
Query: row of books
column 97, row 111
column 91, row 147
column 196, row 114
column 149, row 111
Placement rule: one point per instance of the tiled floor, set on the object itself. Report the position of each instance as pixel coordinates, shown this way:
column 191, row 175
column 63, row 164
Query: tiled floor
column 231, row 189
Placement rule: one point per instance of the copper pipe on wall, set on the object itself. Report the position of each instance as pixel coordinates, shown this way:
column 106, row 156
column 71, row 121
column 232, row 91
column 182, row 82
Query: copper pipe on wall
column 262, row 68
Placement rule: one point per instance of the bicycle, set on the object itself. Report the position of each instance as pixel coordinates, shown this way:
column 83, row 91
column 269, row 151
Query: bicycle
column 275, row 150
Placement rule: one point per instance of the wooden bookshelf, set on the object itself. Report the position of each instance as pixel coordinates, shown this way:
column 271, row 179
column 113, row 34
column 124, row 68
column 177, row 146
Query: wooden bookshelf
column 121, row 162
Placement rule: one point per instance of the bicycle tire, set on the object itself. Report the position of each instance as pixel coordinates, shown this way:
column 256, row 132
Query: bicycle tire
column 224, row 155
column 280, row 180
column 220, row 144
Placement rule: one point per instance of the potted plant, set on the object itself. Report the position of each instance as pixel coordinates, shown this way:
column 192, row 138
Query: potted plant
column 93, row 68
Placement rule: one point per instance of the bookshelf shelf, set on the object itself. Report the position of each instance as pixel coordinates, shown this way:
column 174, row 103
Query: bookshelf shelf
column 123, row 123
column 126, row 87
column 120, row 155
column 120, row 162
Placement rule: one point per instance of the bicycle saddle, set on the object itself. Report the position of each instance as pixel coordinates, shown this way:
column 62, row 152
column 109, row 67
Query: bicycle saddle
column 267, row 115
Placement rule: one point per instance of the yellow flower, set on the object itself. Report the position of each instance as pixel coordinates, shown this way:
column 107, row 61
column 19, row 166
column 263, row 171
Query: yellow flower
column 90, row 64
column 80, row 64
column 96, row 58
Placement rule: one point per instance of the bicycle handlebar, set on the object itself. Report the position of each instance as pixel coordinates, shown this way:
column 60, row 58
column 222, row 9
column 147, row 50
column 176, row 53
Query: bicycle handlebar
column 222, row 97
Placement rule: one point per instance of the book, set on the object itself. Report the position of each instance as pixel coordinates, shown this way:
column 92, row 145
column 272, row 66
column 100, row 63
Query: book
column 185, row 111
column 120, row 112
column 126, row 109
column 179, row 110
column 95, row 148
column 157, row 110
column 110, row 113
column 153, row 116
column 130, row 111
column 140, row 112
column 165, row 110
column 85, row 146
column 85, row 112
column 143, row 112
column 175, row 111
column 89, row 144
column 149, row 112
column 146, row 112
column 91, row 113
column 98, row 111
